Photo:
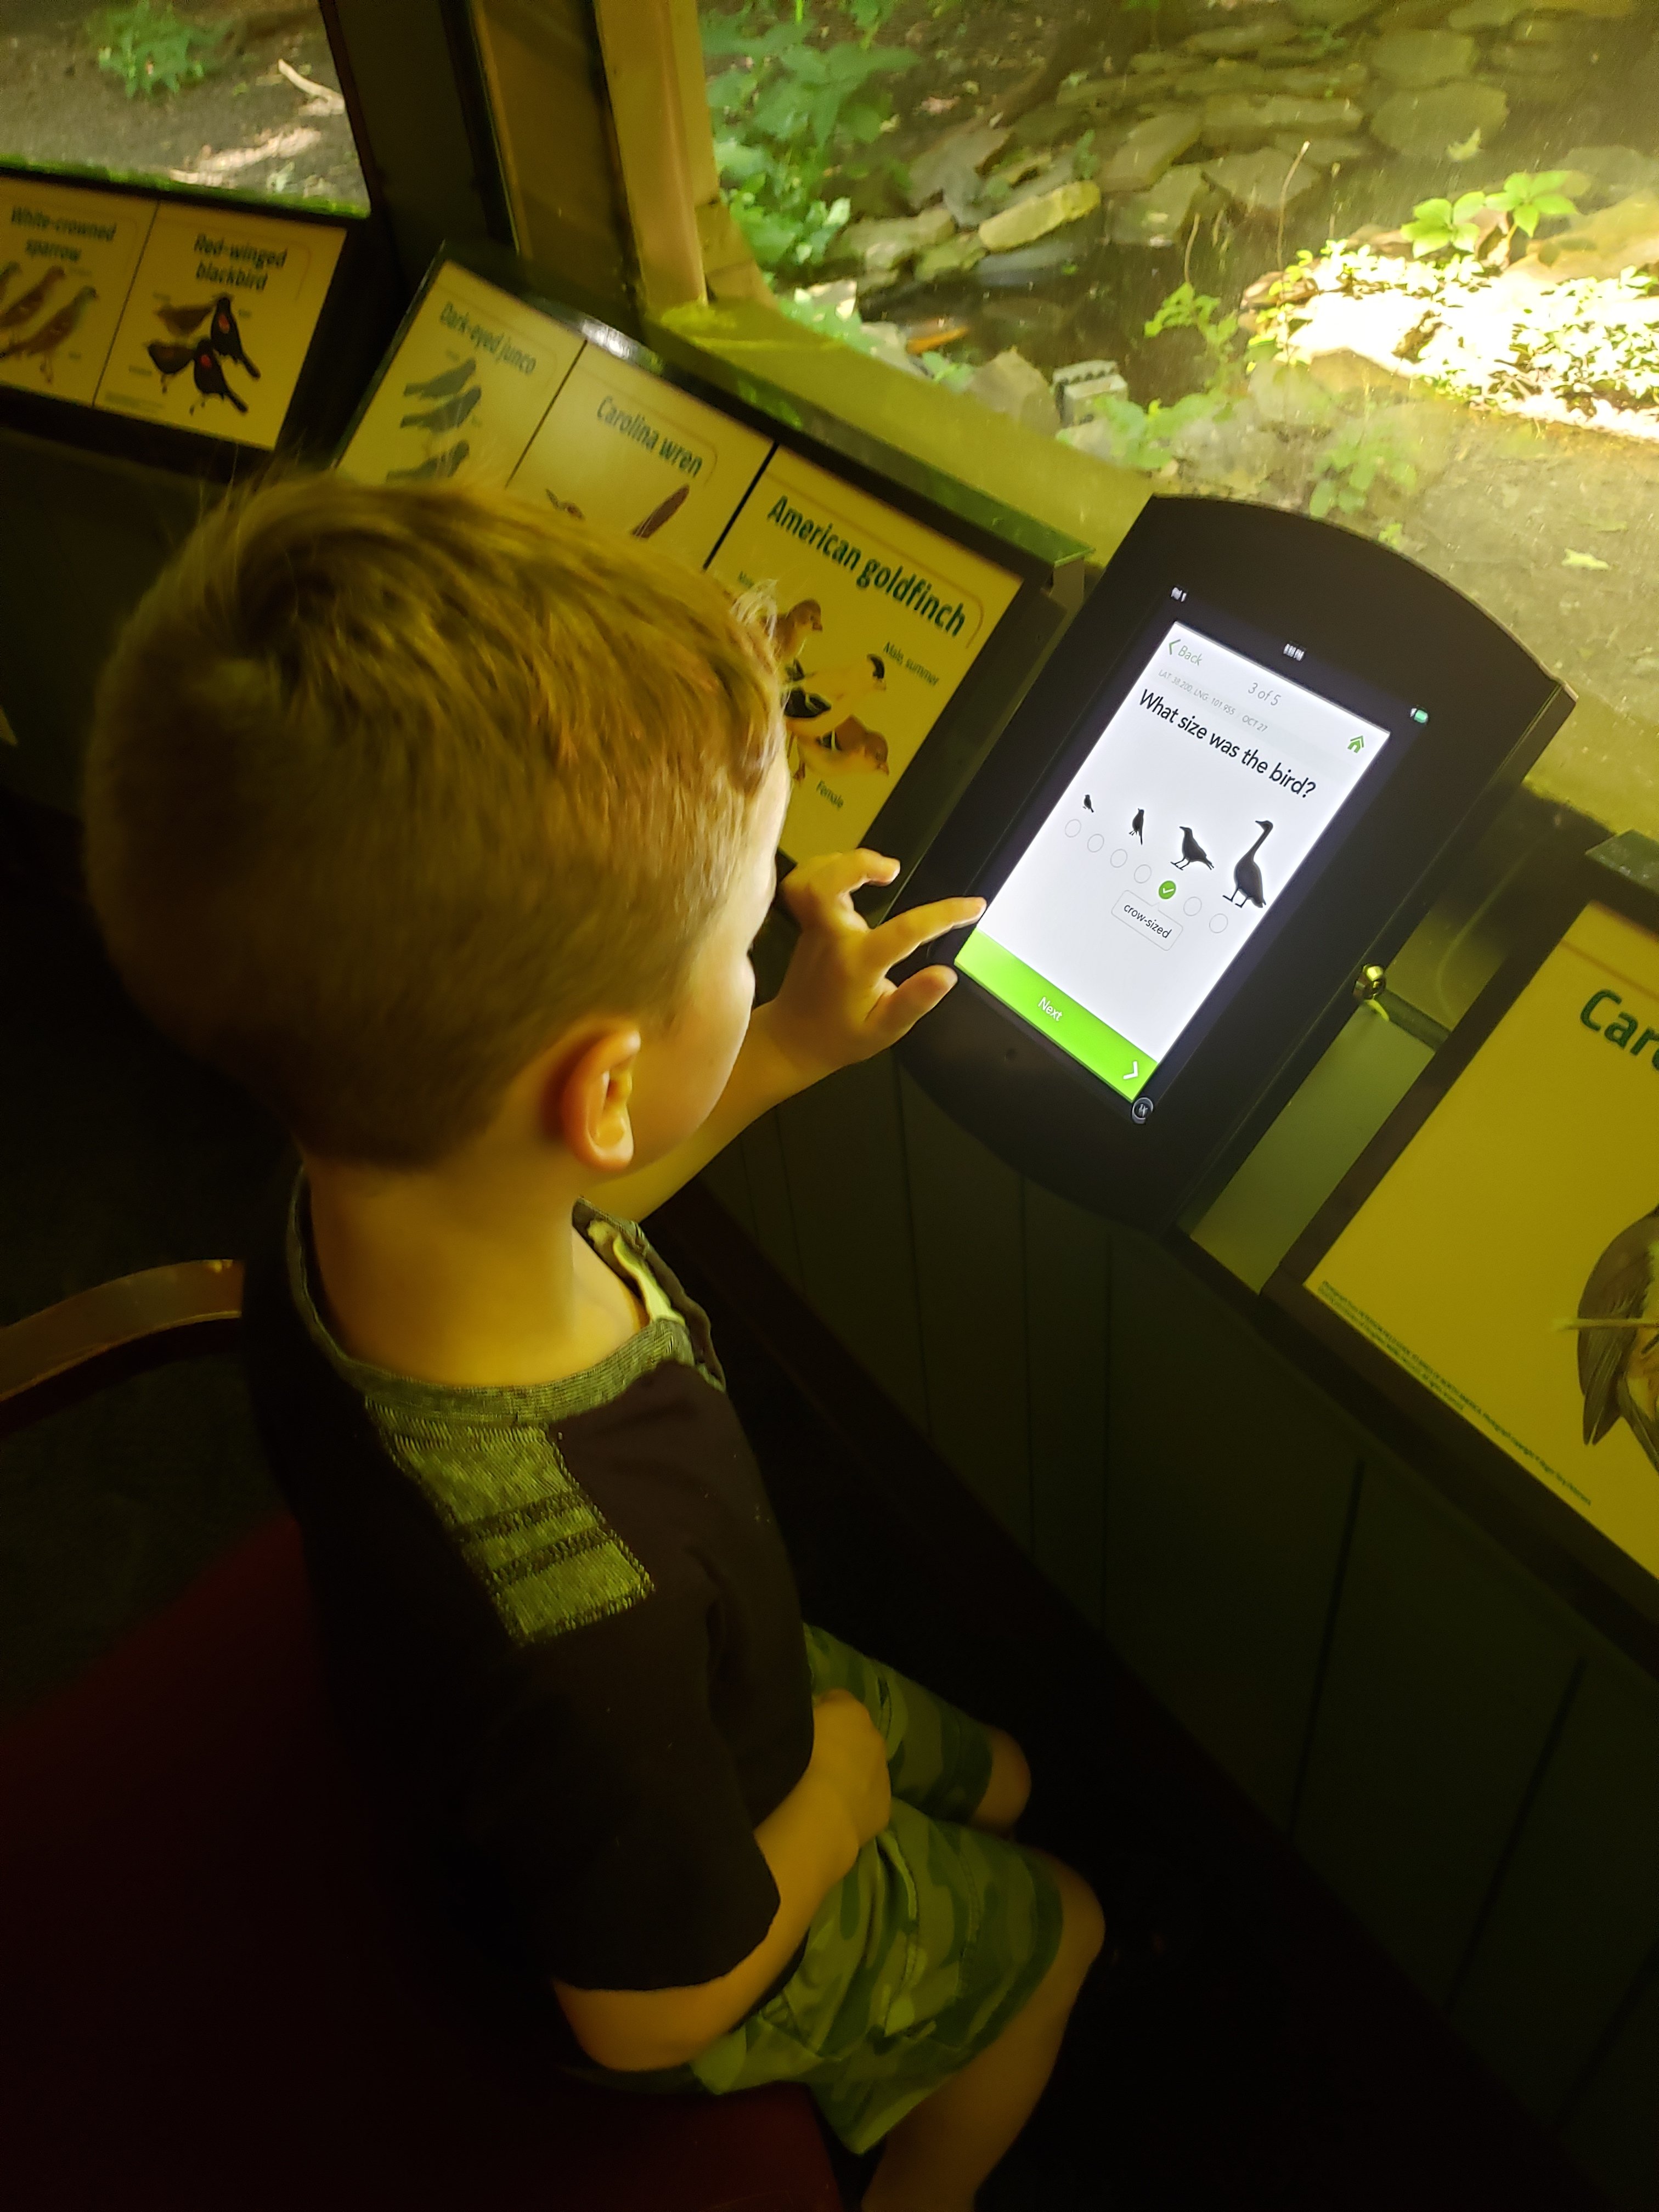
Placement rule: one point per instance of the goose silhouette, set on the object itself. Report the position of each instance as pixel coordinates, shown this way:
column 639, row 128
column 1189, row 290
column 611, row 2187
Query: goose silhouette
column 1247, row 875
column 1191, row 850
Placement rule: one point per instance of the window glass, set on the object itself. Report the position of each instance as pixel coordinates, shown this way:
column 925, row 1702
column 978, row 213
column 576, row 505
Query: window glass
column 242, row 97
column 1391, row 262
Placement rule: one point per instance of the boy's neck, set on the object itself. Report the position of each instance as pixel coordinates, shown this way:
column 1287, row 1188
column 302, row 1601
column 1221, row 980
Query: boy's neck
column 463, row 1277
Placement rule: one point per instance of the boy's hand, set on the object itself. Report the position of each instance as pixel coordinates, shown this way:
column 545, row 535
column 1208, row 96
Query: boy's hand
column 849, row 1757
column 838, row 1003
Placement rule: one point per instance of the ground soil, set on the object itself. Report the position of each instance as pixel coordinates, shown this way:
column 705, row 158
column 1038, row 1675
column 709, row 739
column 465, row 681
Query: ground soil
column 58, row 106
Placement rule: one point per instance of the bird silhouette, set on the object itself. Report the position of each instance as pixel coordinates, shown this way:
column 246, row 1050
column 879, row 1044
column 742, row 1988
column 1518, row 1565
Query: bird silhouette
column 1088, row 803
column 24, row 310
column 224, row 336
column 185, row 322
column 445, row 387
column 170, row 360
column 44, row 343
column 1247, row 875
column 6, row 275
column 1191, row 850
column 1137, row 828
column 565, row 505
column 665, row 511
column 211, row 379
column 435, row 471
column 1618, row 1323
column 449, row 417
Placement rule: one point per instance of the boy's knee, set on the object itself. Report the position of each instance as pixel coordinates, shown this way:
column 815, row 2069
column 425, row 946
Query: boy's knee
column 1009, row 1789
column 1082, row 1930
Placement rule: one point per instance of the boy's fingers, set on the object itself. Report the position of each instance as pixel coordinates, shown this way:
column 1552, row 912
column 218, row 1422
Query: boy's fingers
column 905, row 931
column 900, row 1010
column 820, row 883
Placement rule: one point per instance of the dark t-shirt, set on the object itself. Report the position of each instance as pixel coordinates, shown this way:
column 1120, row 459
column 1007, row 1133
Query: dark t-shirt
column 559, row 1621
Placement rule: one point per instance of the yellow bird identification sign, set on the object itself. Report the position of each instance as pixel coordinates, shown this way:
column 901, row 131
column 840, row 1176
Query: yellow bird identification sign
column 1503, row 1258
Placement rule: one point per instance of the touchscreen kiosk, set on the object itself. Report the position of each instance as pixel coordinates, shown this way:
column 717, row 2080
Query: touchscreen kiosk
column 1230, row 793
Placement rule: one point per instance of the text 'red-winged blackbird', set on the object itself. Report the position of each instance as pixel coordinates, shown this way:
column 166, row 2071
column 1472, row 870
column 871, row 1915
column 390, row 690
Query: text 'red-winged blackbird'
column 224, row 336
column 211, row 379
column 1191, row 850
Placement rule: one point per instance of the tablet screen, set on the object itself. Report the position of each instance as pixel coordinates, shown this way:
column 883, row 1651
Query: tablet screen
column 1177, row 836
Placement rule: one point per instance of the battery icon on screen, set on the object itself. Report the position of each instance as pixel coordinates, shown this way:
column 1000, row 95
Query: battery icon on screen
column 1419, row 714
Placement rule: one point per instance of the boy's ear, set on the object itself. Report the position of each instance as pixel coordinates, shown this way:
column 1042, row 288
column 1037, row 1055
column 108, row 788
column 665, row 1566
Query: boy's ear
column 588, row 1098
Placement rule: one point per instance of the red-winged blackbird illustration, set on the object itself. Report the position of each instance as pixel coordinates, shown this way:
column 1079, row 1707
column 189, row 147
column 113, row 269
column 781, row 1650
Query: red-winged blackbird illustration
column 211, row 379
column 170, row 360
column 224, row 336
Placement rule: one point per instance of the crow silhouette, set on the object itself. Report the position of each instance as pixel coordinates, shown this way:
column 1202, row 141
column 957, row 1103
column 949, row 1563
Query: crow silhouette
column 1191, row 850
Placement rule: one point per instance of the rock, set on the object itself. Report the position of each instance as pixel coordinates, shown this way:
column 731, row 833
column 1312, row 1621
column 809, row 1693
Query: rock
column 1423, row 58
column 1051, row 256
column 1035, row 218
column 956, row 256
column 1013, row 386
column 884, row 247
column 1485, row 14
column 1507, row 59
column 958, row 156
column 1573, row 31
column 1261, row 183
column 1622, row 236
column 1615, row 172
column 1269, row 30
column 1100, row 92
column 1331, row 15
column 1408, row 15
column 1598, row 11
column 1229, row 445
column 1159, row 61
column 1346, row 77
column 1231, row 121
column 1141, row 158
column 1288, row 397
column 1158, row 215
column 1327, row 153
column 1077, row 388
column 1425, row 124
column 1047, row 125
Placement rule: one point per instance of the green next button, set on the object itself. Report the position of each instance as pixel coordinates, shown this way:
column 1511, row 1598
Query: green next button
column 1089, row 1040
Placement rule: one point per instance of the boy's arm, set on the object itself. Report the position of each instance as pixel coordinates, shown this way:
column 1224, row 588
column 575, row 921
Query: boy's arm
column 809, row 1842
column 836, row 1006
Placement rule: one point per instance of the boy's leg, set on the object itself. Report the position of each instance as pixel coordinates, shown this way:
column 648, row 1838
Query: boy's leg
column 938, row 2155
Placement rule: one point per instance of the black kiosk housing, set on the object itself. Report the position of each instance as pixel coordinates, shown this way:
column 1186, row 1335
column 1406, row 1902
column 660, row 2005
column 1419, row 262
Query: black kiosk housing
column 1466, row 712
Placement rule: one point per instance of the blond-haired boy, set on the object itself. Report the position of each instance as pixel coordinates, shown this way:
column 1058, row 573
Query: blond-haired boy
column 446, row 827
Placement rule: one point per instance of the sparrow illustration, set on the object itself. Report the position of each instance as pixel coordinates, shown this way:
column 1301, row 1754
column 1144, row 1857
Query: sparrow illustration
column 26, row 309
column 211, row 379
column 664, row 512
column 450, row 417
column 44, row 343
column 170, row 360
column 224, row 336
column 435, row 471
column 445, row 387
column 183, row 322
column 6, row 275
column 1617, row 1322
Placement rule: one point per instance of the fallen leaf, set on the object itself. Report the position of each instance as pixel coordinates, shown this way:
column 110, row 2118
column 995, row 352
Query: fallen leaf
column 1583, row 561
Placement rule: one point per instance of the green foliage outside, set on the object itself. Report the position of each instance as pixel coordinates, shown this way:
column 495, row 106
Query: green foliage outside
column 152, row 49
column 1358, row 462
column 1520, row 204
column 785, row 114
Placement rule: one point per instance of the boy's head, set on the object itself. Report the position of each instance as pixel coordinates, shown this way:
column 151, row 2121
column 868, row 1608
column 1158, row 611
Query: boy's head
column 388, row 788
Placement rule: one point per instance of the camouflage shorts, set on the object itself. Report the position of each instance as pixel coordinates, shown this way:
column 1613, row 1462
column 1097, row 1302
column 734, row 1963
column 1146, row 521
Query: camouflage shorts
column 920, row 1958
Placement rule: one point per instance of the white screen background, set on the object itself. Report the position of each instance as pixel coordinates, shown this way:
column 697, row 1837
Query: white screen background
column 1062, row 909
